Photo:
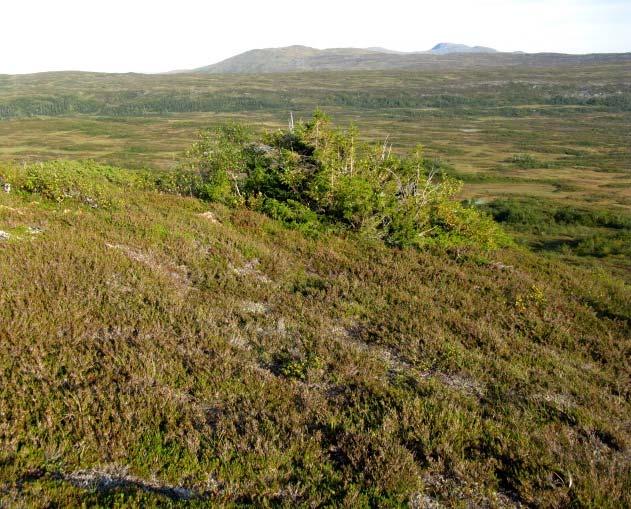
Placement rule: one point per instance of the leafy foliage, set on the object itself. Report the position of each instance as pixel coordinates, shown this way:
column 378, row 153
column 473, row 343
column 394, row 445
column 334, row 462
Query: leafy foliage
column 315, row 176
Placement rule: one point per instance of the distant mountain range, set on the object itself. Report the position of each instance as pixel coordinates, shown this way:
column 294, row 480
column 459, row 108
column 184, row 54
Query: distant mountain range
column 442, row 56
column 304, row 58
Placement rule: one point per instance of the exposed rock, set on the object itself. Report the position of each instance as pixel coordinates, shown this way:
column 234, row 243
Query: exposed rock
column 281, row 328
column 260, row 148
column 239, row 342
column 113, row 478
column 210, row 217
column 420, row 501
column 440, row 486
column 4, row 235
column 461, row 383
column 91, row 202
column 254, row 308
column 500, row 266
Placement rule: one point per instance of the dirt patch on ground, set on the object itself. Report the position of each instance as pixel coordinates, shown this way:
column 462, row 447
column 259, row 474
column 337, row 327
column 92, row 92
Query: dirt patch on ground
column 177, row 274
column 249, row 269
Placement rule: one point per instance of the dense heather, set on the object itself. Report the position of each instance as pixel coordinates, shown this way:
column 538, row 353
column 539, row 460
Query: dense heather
column 159, row 349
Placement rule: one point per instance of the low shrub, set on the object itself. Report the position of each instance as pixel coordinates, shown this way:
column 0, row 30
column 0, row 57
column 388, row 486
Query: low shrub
column 540, row 212
column 315, row 177
column 87, row 182
column 600, row 245
column 527, row 162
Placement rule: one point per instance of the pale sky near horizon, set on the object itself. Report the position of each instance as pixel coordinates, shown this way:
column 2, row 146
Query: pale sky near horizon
column 157, row 36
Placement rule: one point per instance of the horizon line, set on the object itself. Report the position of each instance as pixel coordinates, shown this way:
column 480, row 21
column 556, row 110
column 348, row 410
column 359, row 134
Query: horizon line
column 370, row 48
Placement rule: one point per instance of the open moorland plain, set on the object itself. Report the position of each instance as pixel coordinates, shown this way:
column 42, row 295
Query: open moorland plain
column 261, row 315
column 541, row 138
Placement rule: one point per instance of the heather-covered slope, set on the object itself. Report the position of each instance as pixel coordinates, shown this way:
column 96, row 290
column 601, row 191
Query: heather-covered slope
column 157, row 349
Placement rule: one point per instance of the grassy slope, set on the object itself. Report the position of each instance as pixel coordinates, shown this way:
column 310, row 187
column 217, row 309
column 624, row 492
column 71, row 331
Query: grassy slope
column 145, row 347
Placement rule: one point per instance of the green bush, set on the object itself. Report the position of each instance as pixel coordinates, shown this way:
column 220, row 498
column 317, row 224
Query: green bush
column 315, row 177
column 293, row 214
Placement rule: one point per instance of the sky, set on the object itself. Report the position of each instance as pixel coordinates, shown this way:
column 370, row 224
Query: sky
column 157, row 36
